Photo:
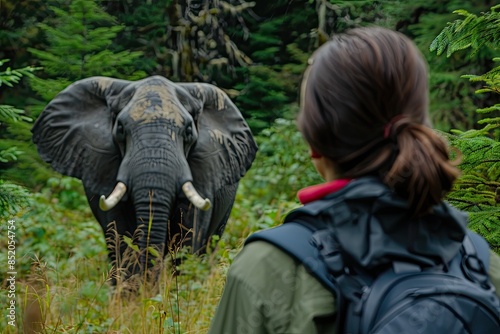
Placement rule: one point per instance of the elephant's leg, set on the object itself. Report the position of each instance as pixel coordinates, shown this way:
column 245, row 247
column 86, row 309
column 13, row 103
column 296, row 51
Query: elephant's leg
column 224, row 199
column 116, row 223
column 215, row 218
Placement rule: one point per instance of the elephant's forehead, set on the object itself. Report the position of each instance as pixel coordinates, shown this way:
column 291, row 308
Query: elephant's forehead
column 153, row 102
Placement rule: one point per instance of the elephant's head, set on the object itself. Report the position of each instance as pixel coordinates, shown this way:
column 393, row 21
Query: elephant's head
column 149, row 149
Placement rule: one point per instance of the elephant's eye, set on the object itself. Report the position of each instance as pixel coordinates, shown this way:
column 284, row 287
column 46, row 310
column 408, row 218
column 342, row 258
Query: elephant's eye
column 189, row 138
column 119, row 130
column 119, row 135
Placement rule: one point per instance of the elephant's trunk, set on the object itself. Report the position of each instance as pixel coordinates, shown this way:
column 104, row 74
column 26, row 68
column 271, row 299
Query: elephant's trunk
column 153, row 209
column 114, row 198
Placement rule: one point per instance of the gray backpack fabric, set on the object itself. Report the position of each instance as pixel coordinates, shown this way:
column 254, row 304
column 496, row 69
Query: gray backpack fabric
column 454, row 298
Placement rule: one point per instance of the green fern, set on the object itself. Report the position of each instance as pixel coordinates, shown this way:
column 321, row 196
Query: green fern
column 472, row 32
column 9, row 77
column 12, row 198
column 9, row 113
column 477, row 191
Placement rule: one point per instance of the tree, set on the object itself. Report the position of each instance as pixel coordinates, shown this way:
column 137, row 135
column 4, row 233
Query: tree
column 186, row 40
column 79, row 45
column 18, row 28
column 12, row 196
column 478, row 189
column 199, row 42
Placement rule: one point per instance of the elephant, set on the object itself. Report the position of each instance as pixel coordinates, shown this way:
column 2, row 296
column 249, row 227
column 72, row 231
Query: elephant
column 155, row 157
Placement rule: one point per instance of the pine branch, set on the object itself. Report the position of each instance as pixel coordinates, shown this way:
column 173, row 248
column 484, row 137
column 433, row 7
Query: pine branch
column 472, row 32
column 9, row 77
column 12, row 198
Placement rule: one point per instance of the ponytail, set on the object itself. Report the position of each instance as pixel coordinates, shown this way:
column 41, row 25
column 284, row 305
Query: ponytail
column 422, row 171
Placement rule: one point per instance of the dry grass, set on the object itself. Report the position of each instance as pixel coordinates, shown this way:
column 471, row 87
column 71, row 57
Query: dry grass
column 85, row 302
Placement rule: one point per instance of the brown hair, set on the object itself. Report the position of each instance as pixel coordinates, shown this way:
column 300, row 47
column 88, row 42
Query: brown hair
column 365, row 107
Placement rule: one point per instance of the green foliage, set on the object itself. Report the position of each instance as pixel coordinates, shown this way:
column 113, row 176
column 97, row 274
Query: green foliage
column 9, row 77
column 147, row 28
column 12, row 197
column 67, row 192
column 472, row 32
column 282, row 166
column 46, row 229
column 478, row 189
column 491, row 79
column 48, row 246
column 10, row 116
column 268, row 191
column 279, row 47
column 79, row 42
column 185, row 41
column 275, row 85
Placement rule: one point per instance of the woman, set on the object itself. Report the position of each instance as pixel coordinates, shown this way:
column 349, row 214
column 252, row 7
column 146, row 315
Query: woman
column 364, row 114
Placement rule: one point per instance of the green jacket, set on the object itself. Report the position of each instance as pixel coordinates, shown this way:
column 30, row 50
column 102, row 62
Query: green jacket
column 269, row 292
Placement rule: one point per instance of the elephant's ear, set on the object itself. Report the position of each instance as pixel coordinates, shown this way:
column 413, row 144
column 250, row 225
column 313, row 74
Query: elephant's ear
column 74, row 131
column 225, row 148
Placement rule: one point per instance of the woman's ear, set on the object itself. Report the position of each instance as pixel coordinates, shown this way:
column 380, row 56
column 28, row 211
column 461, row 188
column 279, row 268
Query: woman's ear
column 325, row 167
column 74, row 132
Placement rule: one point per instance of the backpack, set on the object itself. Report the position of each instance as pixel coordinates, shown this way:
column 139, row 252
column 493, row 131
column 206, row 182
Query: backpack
column 403, row 298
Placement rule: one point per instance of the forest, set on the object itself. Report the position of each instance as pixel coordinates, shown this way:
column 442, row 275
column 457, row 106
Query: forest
column 256, row 52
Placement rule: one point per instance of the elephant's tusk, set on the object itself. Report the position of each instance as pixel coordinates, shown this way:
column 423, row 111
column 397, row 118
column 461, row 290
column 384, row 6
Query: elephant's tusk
column 108, row 203
column 195, row 198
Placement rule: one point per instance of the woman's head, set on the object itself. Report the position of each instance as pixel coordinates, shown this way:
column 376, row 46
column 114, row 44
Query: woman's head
column 365, row 107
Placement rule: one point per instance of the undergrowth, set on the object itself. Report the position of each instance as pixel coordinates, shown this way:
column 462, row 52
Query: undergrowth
column 63, row 272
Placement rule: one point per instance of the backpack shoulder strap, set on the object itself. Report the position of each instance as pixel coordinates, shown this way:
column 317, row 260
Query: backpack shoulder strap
column 294, row 238
column 481, row 247
column 474, row 260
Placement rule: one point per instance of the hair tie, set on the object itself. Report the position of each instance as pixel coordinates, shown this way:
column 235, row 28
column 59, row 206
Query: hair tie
column 388, row 127
column 315, row 155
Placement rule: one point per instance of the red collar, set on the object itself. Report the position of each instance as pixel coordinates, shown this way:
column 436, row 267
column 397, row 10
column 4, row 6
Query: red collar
column 318, row 191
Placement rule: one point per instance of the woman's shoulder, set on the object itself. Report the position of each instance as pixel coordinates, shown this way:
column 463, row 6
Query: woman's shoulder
column 261, row 261
column 267, row 270
column 284, row 286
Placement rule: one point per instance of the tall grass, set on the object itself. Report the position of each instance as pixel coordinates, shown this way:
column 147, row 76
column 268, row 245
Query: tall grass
column 83, row 301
